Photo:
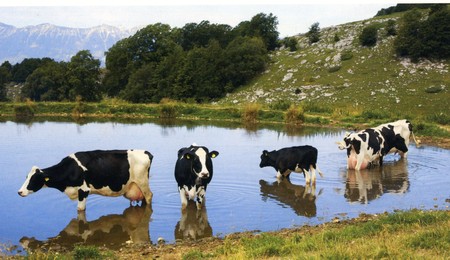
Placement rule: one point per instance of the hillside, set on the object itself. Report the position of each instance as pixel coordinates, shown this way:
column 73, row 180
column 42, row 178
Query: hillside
column 59, row 43
column 345, row 78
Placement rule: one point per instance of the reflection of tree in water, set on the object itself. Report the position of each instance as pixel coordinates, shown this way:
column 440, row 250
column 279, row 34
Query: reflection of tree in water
column 193, row 223
column 111, row 231
column 370, row 184
column 300, row 198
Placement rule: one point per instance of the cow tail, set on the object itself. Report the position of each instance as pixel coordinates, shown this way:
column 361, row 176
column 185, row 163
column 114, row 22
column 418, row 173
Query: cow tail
column 319, row 171
column 415, row 140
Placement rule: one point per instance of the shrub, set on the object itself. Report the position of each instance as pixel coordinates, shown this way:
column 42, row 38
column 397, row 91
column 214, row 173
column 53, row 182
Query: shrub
column 346, row 55
column 295, row 115
column 87, row 252
column 25, row 110
column 250, row 113
column 369, row 36
column 79, row 108
column 334, row 68
column 280, row 105
column 168, row 110
column 433, row 89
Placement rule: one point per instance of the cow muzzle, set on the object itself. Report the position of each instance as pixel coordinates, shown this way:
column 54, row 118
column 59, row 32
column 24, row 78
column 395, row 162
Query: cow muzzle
column 204, row 175
column 23, row 193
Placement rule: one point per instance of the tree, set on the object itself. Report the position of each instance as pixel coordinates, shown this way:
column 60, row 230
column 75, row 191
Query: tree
column 83, row 74
column 408, row 32
column 314, row 33
column 5, row 77
column 47, row 83
column 261, row 25
column 368, row 36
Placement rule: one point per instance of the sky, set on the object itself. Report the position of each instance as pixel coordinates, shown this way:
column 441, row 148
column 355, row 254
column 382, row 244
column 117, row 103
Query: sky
column 293, row 18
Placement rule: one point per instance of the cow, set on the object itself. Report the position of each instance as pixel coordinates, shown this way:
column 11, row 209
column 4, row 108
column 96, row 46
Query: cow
column 107, row 173
column 368, row 147
column 300, row 159
column 193, row 173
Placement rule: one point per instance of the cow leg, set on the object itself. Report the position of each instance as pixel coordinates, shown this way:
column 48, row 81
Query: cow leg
column 307, row 177
column 83, row 193
column 313, row 174
column 359, row 161
column 200, row 197
column 183, row 198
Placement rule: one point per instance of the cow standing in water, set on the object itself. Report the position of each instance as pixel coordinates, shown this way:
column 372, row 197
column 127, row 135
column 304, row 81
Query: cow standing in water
column 369, row 146
column 193, row 173
column 107, row 173
column 299, row 159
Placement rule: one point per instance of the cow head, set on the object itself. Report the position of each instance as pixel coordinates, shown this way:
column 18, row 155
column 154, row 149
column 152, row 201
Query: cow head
column 201, row 160
column 267, row 159
column 36, row 179
column 346, row 143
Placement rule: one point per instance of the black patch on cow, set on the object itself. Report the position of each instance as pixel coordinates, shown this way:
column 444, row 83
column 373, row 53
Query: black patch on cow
column 65, row 174
column 363, row 137
column 105, row 168
column 290, row 158
column 82, row 194
column 37, row 181
column 374, row 140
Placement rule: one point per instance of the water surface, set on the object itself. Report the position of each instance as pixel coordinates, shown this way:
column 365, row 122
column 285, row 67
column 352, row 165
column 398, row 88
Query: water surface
column 241, row 196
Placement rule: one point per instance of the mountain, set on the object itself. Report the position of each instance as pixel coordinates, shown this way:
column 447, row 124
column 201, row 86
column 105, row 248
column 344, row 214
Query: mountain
column 56, row 42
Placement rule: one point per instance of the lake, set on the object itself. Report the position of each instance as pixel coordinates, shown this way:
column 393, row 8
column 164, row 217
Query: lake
column 241, row 196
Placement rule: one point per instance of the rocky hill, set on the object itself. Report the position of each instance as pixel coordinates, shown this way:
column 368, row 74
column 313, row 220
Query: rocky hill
column 343, row 76
column 56, row 42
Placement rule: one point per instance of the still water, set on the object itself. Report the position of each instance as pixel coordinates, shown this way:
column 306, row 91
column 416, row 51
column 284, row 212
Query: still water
column 241, row 196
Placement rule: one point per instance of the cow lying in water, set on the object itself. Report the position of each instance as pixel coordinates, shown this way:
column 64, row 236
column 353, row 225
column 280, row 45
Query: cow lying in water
column 193, row 173
column 108, row 173
column 299, row 159
column 369, row 146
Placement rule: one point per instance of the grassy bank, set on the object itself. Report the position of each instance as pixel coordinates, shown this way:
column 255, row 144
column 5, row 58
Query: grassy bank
column 406, row 235
column 431, row 127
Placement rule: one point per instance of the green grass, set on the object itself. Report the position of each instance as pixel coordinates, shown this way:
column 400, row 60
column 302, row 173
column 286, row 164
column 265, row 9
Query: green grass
column 409, row 234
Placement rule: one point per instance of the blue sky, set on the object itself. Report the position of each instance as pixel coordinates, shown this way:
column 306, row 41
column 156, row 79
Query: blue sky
column 293, row 18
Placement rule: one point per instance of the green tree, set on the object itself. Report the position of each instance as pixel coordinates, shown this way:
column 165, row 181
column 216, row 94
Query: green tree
column 245, row 58
column 5, row 77
column 368, row 36
column 199, row 35
column 408, row 32
column 22, row 70
column 314, row 33
column 47, row 83
column 83, row 75
column 150, row 44
column 261, row 25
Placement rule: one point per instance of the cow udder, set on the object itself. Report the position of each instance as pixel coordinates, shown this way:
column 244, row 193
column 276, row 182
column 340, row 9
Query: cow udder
column 134, row 193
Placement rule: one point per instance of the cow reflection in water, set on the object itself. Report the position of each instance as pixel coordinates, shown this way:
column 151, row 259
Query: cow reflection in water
column 300, row 198
column 369, row 184
column 193, row 223
column 111, row 231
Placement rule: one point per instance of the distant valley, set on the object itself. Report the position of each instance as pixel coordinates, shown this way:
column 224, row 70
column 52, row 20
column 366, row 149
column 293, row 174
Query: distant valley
column 56, row 42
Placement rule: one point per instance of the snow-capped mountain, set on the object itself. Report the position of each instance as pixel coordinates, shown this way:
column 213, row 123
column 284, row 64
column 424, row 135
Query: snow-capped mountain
column 56, row 42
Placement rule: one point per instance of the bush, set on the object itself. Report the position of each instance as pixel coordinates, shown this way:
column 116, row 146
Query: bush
column 346, row 55
column 295, row 115
column 369, row 36
column 87, row 252
column 25, row 110
column 250, row 113
column 334, row 68
column 280, row 105
column 433, row 89
column 167, row 109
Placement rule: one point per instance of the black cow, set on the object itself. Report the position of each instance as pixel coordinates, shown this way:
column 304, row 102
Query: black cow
column 108, row 173
column 293, row 159
column 193, row 172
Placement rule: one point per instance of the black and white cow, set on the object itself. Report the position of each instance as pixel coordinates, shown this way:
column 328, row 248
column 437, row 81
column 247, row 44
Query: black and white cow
column 299, row 159
column 108, row 173
column 193, row 173
column 369, row 146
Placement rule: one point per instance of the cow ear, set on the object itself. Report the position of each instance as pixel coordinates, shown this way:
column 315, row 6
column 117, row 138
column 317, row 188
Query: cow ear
column 187, row 156
column 46, row 179
column 213, row 154
column 265, row 152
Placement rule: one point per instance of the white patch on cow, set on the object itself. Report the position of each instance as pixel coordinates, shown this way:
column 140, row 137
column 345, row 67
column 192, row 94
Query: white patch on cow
column 78, row 162
column 201, row 153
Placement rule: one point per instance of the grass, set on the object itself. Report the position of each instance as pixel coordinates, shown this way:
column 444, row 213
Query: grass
column 406, row 234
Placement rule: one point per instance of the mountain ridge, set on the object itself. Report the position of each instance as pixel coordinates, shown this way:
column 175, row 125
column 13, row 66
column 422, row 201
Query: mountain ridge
column 57, row 42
